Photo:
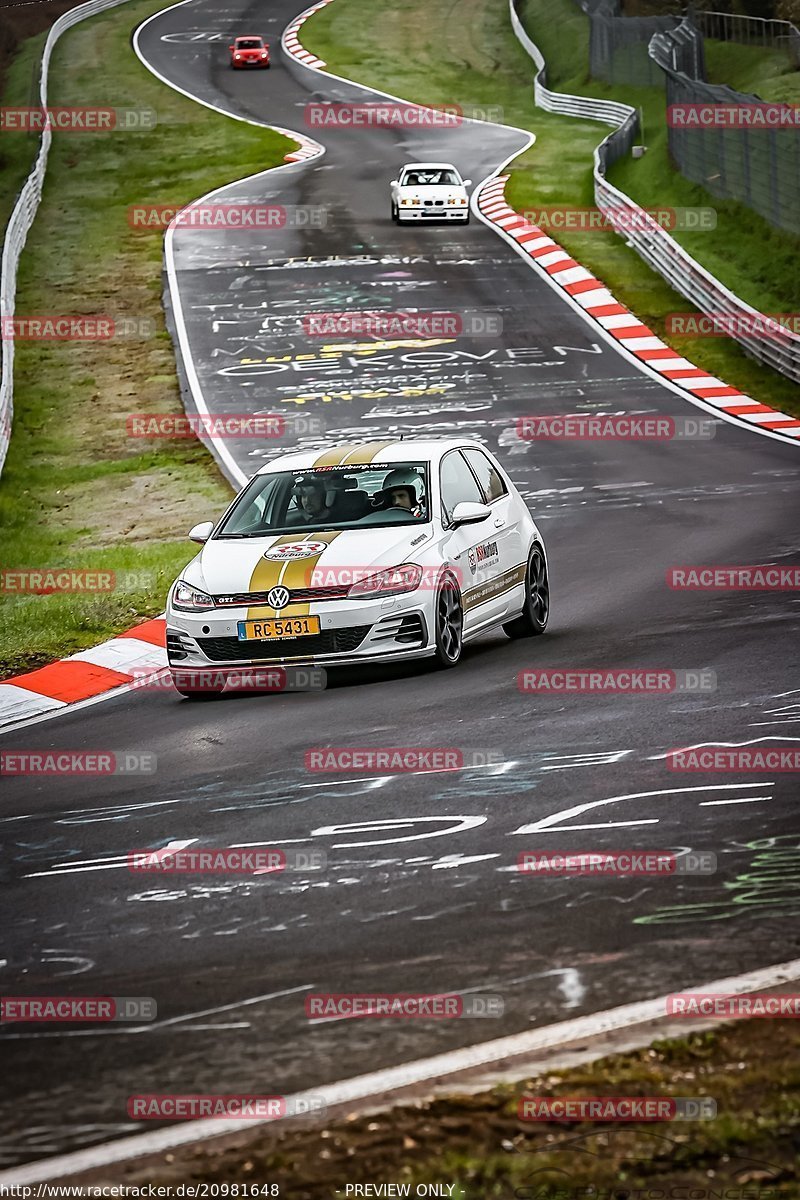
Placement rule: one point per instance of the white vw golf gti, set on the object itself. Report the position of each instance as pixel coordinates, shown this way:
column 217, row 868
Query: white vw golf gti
column 430, row 192
column 361, row 553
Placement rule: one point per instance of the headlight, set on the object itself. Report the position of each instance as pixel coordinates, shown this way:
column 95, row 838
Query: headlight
column 237, row 57
column 264, row 55
column 410, row 201
column 391, row 582
column 190, row 599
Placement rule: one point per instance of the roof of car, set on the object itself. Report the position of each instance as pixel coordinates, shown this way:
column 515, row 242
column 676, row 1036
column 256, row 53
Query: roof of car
column 360, row 454
column 248, row 37
column 429, row 166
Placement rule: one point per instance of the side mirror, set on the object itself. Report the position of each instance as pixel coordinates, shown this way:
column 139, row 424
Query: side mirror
column 468, row 513
column 393, row 183
column 467, row 182
column 202, row 532
column 231, row 47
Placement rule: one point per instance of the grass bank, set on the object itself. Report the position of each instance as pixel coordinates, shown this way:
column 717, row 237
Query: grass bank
column 76, row 491
column 478, row 1146
column 423, row 54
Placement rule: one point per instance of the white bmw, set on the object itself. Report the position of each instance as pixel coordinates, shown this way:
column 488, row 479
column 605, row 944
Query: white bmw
column 430, row 192
column 363, row 553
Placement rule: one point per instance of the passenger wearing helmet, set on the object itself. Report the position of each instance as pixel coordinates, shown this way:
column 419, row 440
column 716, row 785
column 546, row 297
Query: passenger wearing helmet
column 400, row 491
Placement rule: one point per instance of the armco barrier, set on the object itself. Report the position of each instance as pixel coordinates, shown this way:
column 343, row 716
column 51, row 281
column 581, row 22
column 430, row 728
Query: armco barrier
column 22, row 218
column 777, row 348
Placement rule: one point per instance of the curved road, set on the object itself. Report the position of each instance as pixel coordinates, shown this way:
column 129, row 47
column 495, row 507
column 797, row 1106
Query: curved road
column 421, row 891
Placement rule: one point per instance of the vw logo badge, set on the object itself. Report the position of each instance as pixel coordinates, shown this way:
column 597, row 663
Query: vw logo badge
column 278, row 597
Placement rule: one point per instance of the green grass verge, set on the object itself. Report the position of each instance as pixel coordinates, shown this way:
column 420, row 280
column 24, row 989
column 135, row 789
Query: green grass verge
column 18, row 150
column 477, row 1145
column 423, row 54
column 76, row 491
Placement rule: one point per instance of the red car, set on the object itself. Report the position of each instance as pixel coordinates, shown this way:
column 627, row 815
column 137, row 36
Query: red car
column 249, row 52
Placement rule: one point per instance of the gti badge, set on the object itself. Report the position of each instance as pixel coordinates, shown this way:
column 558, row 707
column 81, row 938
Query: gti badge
column 278, row 597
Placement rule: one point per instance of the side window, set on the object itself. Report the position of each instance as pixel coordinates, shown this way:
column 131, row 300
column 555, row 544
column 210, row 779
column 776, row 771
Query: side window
column 457, row 483
column 488, row 477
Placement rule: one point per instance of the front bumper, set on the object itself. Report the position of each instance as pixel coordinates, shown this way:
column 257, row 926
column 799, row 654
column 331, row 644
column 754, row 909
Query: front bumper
column 250, row 62
column 432, row 213
column 369, row 631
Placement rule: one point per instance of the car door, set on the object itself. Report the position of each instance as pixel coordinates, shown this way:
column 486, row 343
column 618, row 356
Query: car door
column 505, row 525
column 474, row 550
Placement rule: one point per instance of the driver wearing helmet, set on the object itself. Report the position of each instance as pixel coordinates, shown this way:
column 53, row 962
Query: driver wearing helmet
column 400, row 491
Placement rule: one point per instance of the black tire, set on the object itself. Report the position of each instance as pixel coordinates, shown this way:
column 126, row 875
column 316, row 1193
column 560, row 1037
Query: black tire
column 395, row 214
column 449, row 619
column 533, row 620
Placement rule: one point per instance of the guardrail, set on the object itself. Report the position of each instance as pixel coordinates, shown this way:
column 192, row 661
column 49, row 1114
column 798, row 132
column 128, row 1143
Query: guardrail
column 776, row 347
column 22, row 217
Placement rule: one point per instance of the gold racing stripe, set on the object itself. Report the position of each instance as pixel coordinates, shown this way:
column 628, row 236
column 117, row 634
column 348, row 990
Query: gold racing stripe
column 293, row 573
column 363, row 455
column 333, row 457
column 355, row 455
column 493, row 587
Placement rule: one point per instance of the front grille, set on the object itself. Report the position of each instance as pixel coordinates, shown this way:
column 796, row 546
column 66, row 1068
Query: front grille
column 332, row 641
column 296, row 596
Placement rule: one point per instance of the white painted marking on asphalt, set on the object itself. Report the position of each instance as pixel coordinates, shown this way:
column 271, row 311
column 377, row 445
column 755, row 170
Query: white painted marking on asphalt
column 154, row 1026
column 545, row 824
column 733, row 800
column 111, row 864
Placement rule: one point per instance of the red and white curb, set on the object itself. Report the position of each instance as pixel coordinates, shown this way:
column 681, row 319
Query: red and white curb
column 619, row 323
column 308, row 148
column 291, row 42
column 128, row 659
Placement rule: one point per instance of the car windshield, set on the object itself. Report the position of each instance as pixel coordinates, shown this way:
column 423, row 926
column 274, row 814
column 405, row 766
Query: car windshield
column 432, row 178
column 319, row 498
column 249, row 43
